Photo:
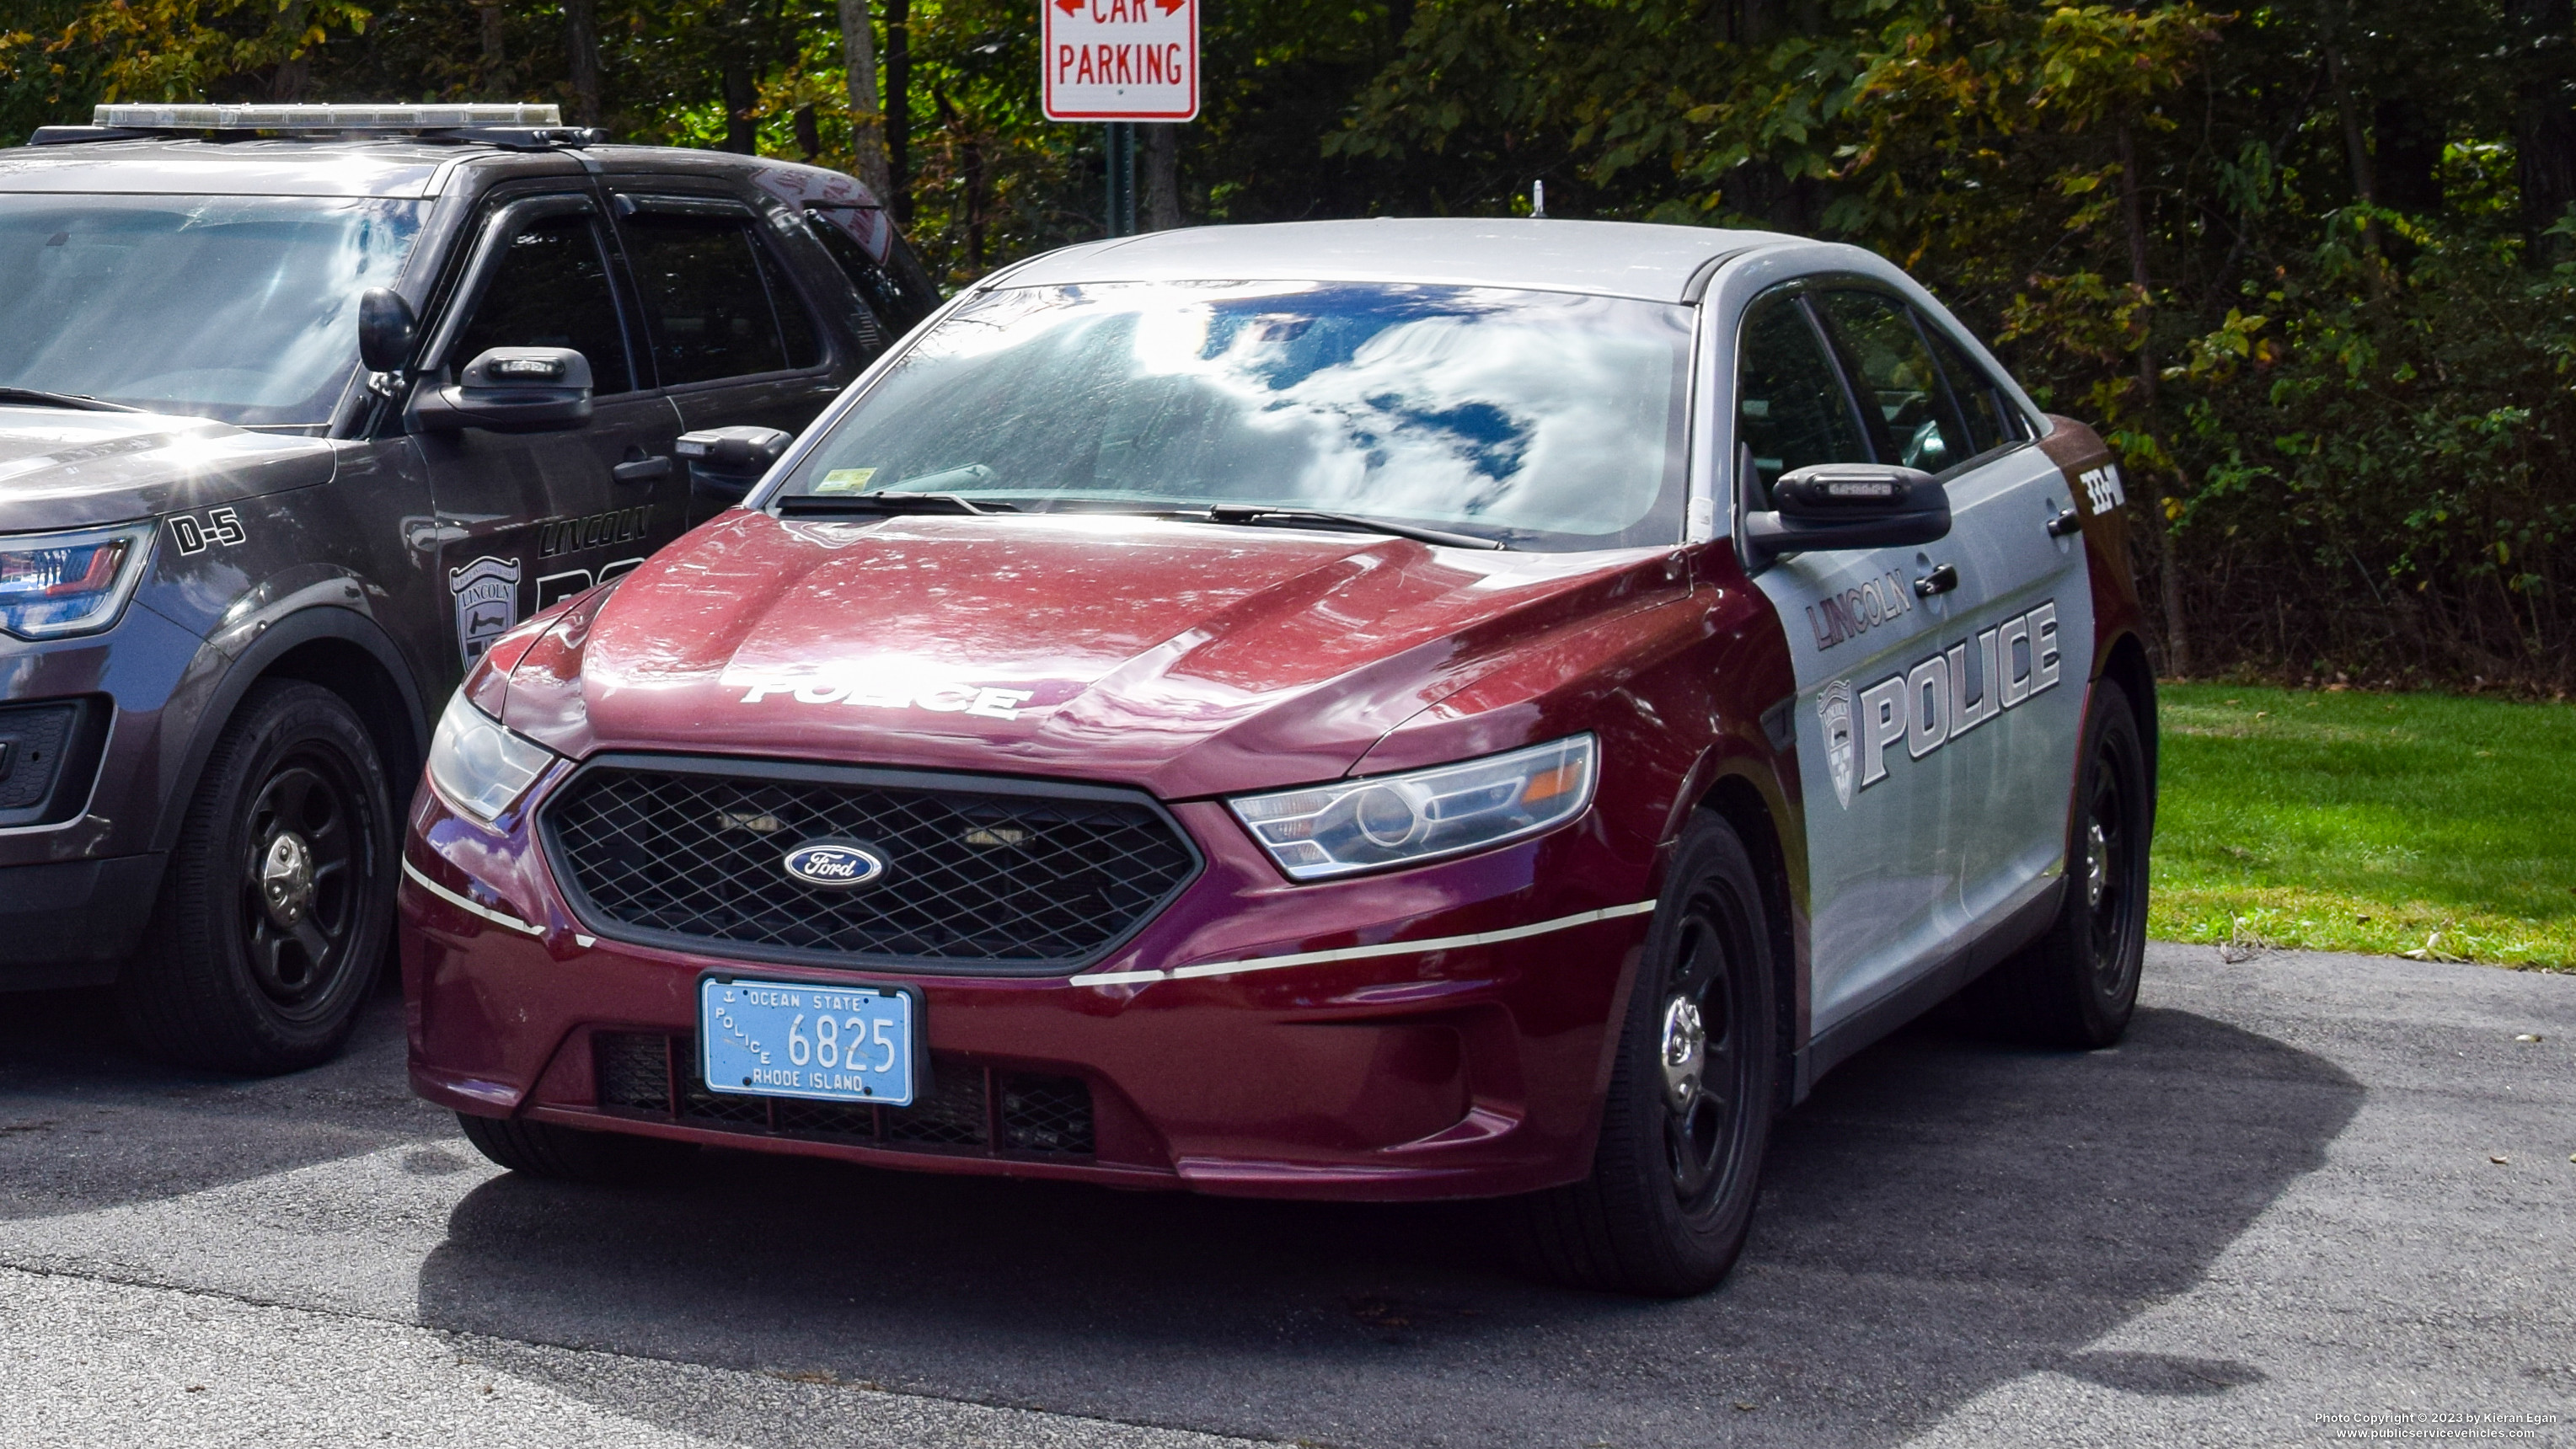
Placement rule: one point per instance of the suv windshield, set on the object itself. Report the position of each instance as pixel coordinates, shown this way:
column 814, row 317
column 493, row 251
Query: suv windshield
column 243, row 308
column 1543, row 420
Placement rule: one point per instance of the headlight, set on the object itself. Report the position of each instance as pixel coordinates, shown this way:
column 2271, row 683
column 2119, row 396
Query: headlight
column 479, row 767
column 1352, row 825
column 58, row 584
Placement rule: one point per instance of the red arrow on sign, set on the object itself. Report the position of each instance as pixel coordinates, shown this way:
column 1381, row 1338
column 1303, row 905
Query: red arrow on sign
column 1069, row 7
column 1168, row 6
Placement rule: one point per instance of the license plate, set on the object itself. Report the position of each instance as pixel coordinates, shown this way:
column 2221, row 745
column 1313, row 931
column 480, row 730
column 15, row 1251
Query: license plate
column 796, row 1039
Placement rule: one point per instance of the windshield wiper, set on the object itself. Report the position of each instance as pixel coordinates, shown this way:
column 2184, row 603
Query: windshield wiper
column 75, row 401
column 1250, row 513
column 842, row 505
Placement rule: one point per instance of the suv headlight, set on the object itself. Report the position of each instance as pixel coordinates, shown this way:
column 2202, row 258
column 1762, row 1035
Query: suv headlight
column 1386, row 820
column 479, row 767
column 53, row 585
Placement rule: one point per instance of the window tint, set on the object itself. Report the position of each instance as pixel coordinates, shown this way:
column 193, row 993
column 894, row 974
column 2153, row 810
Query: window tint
column 795, row 324
column 1900, row 388
column 1791, row 411
column 707, row 298
column 896, row 289
column 1991, row 421
column 551, row 290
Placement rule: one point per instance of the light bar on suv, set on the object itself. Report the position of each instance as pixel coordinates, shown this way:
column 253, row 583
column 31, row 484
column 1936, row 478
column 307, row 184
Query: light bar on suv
column 334, row 118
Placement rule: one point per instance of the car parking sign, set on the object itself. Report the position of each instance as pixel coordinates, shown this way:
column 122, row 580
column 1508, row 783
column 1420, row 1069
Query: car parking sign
column 1121, row 60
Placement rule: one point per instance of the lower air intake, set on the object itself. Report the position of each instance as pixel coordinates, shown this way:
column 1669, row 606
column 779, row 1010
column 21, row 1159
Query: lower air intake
column 968, row 1108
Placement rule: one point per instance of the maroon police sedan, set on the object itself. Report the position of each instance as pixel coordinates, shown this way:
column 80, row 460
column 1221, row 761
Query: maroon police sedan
column 1380, row 710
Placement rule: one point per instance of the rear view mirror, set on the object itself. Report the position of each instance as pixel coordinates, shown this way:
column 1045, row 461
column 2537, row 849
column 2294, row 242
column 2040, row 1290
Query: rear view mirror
column 387, row 327
column 1850, row 505
column 724, row 463
column 511, row 390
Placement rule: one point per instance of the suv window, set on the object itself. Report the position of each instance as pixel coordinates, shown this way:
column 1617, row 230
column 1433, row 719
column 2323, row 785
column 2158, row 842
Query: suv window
column 551, row 290
column 715, row 300
column 1791, row 410
column 896, row 307
column 1901, row 392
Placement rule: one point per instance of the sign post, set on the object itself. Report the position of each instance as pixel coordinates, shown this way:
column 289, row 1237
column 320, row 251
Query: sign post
column 1121, row 154
column 1120, row 62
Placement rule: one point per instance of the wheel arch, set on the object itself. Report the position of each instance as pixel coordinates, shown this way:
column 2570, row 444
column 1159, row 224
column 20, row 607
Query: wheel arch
column 1734, row 798
column 2125, row 664
column 337, row 649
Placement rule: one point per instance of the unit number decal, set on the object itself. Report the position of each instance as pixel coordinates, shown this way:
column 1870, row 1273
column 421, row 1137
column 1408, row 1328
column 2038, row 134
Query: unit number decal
column 2102, row 488
column 222, row 527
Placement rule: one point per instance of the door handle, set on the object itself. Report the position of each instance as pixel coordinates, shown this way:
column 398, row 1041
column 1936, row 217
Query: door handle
column 641, row 470
column 2067, row 521
column 1941, row 580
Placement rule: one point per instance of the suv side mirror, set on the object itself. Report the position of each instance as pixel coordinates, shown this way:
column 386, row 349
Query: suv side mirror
column 1850, row 505
column 725, row 462
column 387, row 328
column 511, row 390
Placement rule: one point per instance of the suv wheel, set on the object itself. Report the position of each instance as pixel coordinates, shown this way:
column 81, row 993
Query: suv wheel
column 542, row 1149
column 1691, row 1096
column 2077, row 985
column 271, row 923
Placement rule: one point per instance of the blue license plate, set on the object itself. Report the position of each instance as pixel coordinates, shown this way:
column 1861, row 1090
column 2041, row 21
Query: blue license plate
column 796, row 1039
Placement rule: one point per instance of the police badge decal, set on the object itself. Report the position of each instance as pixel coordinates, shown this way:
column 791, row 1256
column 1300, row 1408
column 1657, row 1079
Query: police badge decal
column 487, row 603
column 1834, row 713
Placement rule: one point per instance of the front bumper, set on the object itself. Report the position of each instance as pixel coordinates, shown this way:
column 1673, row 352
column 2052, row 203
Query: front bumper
column 1438, row 1032
column 73, row 922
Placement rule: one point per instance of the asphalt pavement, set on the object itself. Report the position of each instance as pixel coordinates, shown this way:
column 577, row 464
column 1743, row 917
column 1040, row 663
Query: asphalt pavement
column 2307, row 1193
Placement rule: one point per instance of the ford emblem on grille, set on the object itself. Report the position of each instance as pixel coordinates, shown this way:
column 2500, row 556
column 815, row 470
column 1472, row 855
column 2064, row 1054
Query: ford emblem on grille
column 837, row 864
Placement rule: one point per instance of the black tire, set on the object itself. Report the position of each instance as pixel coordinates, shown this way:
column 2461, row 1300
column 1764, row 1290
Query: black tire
column 568, row 1154
column 1670, row 1197
column 270, row 927
column 2077, row 985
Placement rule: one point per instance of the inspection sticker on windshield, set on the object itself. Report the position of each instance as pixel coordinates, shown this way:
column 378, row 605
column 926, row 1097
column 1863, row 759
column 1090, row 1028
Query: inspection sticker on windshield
column 793, row 1039
column 845, row 480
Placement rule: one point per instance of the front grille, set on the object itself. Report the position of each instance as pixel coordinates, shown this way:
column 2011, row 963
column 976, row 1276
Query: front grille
column 968, row 1108
column 981, row 874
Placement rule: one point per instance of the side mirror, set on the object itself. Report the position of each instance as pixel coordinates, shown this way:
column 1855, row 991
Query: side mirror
column 1850, row 505
column 511, row 390
column 724, row 463
column 387, row 328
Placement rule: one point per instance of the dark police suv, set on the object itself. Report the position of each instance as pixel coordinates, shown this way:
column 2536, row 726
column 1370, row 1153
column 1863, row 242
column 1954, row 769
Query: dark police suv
column 300, row 408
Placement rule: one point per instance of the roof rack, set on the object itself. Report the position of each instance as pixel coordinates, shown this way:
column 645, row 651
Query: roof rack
column 518, row 126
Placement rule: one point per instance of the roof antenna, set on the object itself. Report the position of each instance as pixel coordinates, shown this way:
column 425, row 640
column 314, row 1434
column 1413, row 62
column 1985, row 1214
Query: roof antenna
column 1538, row 200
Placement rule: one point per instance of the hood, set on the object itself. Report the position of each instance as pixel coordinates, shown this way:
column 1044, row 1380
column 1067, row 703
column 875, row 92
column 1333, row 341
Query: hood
column 65, row 469
column 1187, row 658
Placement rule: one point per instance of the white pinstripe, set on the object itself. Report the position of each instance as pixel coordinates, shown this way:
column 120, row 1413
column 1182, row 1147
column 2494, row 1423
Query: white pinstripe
column 1360, row 953
column 466, row 904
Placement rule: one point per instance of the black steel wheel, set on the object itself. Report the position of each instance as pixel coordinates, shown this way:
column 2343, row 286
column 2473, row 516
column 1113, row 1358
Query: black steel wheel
column 1692, row 1094
column 271, row 922
column 2077, row 985
column 303, row 852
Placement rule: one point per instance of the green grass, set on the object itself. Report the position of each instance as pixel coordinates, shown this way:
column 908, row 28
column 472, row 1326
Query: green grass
column 2422, row 824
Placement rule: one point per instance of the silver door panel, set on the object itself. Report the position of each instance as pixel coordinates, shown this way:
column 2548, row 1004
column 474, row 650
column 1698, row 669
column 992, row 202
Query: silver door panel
column 1883, row 899
column 2024, row 594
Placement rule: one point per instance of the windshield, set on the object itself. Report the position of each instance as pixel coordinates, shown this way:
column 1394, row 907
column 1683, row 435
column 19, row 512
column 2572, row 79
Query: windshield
column 1543, row 420
column 243, row 308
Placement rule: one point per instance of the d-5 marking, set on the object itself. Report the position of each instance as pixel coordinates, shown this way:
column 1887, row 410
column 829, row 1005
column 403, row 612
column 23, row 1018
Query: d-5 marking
column 222, row 526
